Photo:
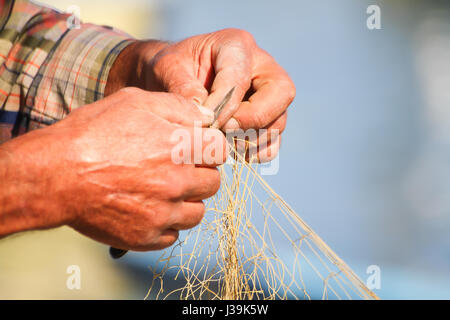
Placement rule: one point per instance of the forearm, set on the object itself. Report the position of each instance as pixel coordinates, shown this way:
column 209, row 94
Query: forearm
column 30, row 193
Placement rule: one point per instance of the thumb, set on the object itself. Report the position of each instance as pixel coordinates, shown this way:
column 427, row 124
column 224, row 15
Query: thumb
column 180, row 79
column 233, row 66
column 189, row 88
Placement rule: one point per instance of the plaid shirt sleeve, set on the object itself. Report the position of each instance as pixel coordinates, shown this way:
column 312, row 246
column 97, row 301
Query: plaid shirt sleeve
column 48, row 69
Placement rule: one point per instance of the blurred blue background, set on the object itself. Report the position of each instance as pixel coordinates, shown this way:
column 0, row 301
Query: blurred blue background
column 365, row 159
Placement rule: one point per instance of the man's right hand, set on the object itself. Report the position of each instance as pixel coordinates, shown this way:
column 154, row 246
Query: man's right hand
column 107, row 171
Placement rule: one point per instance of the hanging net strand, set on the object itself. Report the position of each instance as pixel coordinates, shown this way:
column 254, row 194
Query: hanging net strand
column 252, row 245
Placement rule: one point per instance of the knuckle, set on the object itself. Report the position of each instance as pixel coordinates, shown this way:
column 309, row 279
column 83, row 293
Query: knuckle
column 176, row 190
column 237, row 38
column 174, row 184
column 241, row 34
column 178, row 183
column 289, row 88
column 160, row 220
column 130, row 91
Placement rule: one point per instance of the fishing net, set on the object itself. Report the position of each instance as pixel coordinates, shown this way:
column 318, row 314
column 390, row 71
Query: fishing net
column 252, row 245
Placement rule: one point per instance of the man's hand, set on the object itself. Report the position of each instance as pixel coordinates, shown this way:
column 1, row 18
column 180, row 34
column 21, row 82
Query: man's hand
column 204, row 68
column 107, row 171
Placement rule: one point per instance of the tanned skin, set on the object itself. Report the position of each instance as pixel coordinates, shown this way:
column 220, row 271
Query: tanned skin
column 106, row 169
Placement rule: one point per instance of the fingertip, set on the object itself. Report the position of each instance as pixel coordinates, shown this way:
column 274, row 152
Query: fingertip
column 195, row 91
column 270, row 152
column 197, row 100
column 231, row 124
column 207, row 115
column 228, row 110
column 215, row 148
column 187, row 86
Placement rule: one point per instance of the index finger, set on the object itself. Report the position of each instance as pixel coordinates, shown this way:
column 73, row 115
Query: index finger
column 274, row 92
column 233, row 67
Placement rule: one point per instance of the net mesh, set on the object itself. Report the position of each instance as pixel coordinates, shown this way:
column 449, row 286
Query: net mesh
column 252, row 245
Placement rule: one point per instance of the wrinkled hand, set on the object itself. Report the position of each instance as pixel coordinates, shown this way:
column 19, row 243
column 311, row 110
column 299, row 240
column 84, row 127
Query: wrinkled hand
column 203, row 68
column 107, row 170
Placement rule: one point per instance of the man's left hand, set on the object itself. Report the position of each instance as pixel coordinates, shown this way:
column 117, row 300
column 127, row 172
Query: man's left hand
column 204, row 68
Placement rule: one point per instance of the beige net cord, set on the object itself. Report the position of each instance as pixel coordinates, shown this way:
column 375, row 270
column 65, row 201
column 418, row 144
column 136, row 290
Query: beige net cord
column 252, row 245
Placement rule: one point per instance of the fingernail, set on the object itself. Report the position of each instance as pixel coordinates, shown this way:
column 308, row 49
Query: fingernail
column 208, row 113
column 231, row 124
column 197, row 101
